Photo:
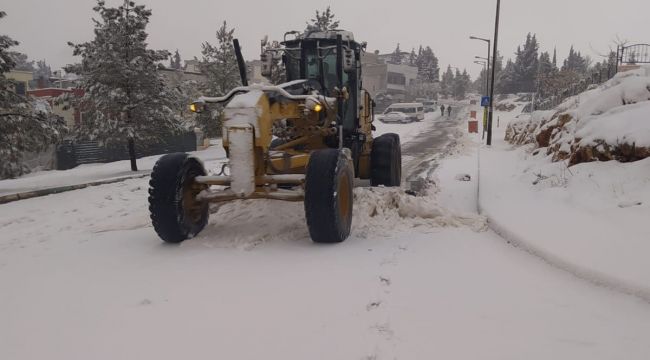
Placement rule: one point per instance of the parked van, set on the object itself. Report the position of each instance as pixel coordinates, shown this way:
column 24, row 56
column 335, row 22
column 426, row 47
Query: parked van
column 413, row 111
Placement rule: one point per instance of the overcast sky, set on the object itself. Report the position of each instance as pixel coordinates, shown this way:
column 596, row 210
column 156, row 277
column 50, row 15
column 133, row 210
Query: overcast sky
column 45, row 26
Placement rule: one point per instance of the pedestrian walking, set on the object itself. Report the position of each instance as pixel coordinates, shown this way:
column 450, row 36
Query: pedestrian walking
column 442, row 110
column 449, row 110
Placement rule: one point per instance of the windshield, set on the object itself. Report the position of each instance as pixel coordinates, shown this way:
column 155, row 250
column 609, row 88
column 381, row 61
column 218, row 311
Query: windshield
column 329, row 78
column 403, row 110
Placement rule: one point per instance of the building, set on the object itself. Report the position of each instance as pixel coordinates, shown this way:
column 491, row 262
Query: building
column 22, row 80
column 382, row 77
column 174, row 77
column 72, row 116
column 374, row 73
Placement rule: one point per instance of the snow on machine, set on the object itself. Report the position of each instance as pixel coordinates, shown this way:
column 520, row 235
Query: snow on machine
column 322, row 123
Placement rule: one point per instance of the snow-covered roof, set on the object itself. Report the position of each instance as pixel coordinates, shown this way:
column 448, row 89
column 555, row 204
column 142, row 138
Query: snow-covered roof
column 330, row 34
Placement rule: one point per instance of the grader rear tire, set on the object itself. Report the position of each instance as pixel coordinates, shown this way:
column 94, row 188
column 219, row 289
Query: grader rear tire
column 328, row 196
column 175, row 213
column 386, row 161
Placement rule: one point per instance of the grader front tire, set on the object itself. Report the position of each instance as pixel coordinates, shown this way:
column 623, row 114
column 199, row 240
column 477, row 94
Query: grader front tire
column 328, row 196
column 176, row 215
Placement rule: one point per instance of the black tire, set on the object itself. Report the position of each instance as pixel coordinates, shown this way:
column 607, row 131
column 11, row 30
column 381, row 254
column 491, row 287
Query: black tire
column 175, row 214
column 386, row 161
column 328, row 196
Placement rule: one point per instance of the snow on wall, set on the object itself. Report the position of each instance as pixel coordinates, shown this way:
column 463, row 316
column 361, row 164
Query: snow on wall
column 596, row 124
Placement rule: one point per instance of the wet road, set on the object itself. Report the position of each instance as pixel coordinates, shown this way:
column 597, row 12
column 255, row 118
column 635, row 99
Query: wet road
column 420, row 156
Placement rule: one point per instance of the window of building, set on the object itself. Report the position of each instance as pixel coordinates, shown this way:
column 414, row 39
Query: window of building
column 396, row 78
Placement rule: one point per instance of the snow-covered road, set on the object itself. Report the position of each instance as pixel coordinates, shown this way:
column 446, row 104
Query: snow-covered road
column 83, row 276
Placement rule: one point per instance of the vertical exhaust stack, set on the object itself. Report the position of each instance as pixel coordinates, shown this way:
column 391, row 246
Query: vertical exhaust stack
column 240, row 62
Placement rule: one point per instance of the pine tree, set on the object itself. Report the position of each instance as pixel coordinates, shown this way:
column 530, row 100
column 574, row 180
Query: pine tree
column 42, row 73
column 396, row 56
column 447, row 83
column 219, row 65
column 575, row 62
column 22, row 127
column 526, row 65
column 324, row 21
column 125, row 96
column 22, row 61
column 278, row 71
column 545, row 74
column 507, row 79
column 175, row 61
column 427, row 63
column 461, row 84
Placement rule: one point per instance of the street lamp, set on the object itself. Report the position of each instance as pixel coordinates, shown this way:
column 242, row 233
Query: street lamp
column 488, row 57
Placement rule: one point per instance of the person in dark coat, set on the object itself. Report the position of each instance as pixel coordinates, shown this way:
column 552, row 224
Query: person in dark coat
column 442, row 110
column 449, row 110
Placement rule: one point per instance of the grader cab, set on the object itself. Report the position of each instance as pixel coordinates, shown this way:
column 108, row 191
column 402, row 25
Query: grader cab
column 304, row 140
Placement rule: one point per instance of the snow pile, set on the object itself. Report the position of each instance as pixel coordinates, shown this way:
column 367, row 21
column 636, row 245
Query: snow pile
column 607, row 123
column 381, row 210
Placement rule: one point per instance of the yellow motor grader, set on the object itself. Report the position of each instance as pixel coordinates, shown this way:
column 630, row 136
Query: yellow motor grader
column 304, row 140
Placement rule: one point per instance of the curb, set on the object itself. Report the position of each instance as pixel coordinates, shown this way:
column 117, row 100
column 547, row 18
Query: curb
column 56, row 190
column 592, row 276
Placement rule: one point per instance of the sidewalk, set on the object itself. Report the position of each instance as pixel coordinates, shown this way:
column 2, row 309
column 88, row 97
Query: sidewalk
column 590, row 219
column 55, row 181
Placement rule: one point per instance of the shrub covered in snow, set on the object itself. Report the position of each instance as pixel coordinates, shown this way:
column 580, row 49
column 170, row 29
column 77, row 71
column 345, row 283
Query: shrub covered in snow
column 610, row 122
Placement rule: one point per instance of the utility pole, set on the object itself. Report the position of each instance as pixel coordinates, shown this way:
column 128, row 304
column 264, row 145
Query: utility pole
column 494, row 63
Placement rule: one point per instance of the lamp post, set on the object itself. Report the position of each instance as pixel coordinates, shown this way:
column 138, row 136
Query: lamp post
column 486, row 59
column 494, row 62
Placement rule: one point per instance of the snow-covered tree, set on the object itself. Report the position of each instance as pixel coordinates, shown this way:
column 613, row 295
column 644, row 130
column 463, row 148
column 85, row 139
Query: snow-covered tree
column 23, row 125
column 323, row 21
column 22, row 61
column 506, row 81
column 43, row 70
column 396, row 56
column 278, row 70
column 447, row 83
column 427, row 63
column 575, row 62
column 125, row 95
column 219, row 63
column 461, row 84
column 526, row 65
column 413, row 58
column 175, row 61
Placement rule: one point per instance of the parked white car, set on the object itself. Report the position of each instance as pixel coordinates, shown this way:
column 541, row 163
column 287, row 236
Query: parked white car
column 395, row 117
column 414, row 111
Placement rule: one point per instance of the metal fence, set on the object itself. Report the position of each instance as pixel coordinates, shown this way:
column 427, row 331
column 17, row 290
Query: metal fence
column 633, row 54
column 71, row 154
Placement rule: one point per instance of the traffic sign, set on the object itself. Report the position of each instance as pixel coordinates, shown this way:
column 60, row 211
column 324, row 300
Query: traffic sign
column 485, row 101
